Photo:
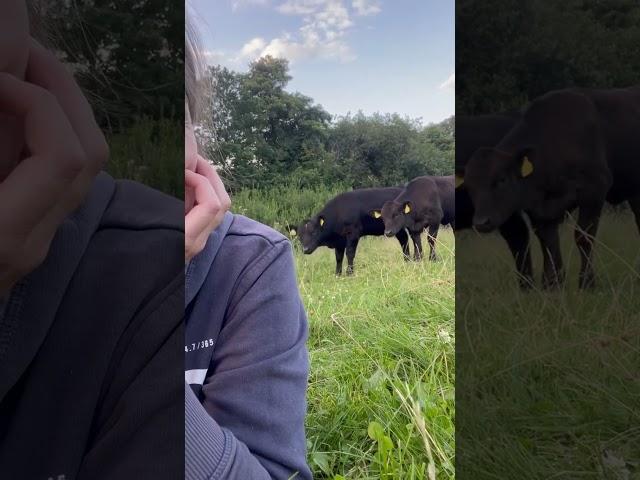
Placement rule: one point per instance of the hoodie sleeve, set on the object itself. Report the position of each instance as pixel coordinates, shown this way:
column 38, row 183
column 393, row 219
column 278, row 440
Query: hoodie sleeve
column 255, row 395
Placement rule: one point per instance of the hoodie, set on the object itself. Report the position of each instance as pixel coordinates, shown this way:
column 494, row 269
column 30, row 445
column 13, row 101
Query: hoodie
column 91, row 359
column 245, row 358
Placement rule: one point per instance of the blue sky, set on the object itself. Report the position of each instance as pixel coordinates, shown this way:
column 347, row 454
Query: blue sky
column 348, row 55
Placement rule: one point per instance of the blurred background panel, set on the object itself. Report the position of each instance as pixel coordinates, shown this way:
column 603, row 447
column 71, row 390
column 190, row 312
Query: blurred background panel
column 546, row 380
column 129, row 59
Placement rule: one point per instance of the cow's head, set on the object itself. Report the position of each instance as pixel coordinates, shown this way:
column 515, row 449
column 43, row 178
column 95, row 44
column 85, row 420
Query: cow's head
column 495, row 181
column 393, row 215
column 310, row 232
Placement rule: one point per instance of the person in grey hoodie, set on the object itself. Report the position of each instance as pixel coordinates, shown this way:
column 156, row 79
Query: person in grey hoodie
column 246, row 362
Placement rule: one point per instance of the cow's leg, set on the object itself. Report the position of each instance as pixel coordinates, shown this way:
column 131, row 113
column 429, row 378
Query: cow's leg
column 417, row 245
column 547, row 233
column 339, row 258
column 403, row 238
column 585, row 234
column 634, row 203
column 352, row 245
column 432, row 233
column 516, row 233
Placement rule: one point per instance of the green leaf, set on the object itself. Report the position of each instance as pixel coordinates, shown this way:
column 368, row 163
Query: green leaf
column 321, row 459
column 375, row 381
column 375, row 431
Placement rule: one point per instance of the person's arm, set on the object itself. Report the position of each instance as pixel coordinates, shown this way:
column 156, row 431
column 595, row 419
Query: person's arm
column 138, row 431
column 255, row 396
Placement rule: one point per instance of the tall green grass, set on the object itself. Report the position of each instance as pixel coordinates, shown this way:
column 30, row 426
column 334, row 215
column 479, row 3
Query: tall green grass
column 381, row 390
column 151, row 152
column 281, row 207
column 549, row 382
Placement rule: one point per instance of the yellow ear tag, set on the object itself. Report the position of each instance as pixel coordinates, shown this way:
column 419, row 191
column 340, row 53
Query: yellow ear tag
column 377, row 214
column 459, row 181
column 293, row 233
column 322, row 222
column 527, row 167
column 407, row 208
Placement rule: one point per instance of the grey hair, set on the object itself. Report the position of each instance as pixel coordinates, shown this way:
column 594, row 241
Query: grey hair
column 193, row 68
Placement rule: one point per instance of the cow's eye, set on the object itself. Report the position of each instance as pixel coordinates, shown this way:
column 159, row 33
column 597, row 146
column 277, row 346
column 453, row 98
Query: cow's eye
column 501, row 182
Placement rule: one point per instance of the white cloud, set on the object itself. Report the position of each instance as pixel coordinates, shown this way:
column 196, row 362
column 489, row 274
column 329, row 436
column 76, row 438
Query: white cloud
column 366, row 7
column 449, row 83
column 322, row 34
column 253, row 48
column 333, row 15
column 238, row 4
column 214, row 57
column 300, row 7
column 309, row 45
column 295, row 51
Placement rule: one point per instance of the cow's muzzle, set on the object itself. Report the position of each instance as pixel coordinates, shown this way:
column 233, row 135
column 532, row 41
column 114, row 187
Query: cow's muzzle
column 483, row 225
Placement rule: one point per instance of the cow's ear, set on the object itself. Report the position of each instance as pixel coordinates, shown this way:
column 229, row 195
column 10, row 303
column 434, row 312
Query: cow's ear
column 525, row 164
column 376, row 213
column 407, row 208
column 526, row 167
column 321, row 221
column 459, row 180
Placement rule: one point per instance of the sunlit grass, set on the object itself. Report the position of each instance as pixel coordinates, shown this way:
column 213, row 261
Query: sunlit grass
column 382, row 350
column 382, row 346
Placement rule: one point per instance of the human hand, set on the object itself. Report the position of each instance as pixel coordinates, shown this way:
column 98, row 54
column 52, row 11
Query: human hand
column 62, row 149
column 210, row 203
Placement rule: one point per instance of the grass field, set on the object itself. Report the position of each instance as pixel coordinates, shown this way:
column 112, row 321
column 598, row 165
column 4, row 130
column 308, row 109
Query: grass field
column 381, row 398
column 381, row 392
column 549, row 382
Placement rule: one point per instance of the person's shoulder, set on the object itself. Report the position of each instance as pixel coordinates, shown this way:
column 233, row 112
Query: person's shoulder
column 135, row 206
column 250, row 243
column 137, row 234
column 244, row 229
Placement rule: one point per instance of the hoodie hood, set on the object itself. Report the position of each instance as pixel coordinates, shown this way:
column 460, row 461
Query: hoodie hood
column 33, row 302
column 198, row 268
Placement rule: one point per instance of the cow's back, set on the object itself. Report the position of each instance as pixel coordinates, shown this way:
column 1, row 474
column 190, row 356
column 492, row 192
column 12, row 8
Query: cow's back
column 353, row 208
column 619, row 114
column 427, row 191
column 447, row 193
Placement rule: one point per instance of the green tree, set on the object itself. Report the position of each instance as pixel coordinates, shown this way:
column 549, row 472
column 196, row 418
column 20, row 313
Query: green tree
column 129, row 56
column 265, row 136
column 509, row 52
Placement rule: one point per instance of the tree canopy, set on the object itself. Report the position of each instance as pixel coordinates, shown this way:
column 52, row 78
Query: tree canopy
column 509, row 52
column 128, row 56
column 265, row 136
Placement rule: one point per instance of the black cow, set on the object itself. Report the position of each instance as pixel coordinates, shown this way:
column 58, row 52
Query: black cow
column 472, row 133
column 346, row 218
column 425, row 202
column 574, row 148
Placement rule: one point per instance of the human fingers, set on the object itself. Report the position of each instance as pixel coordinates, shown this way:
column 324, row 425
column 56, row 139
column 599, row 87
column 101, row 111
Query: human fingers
column 203, row 167
column 46, row 71
column 199, row 220
column 55, row 160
